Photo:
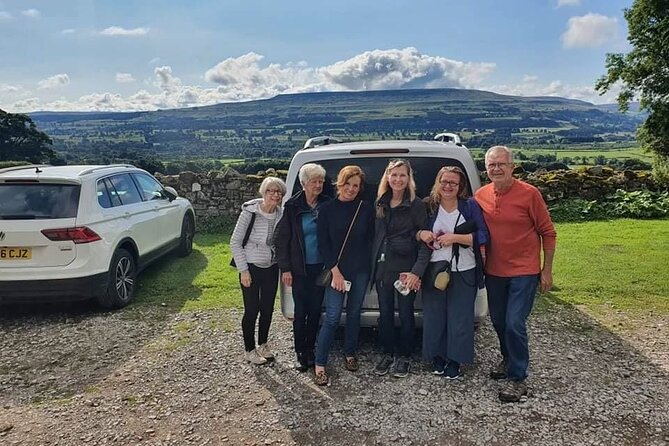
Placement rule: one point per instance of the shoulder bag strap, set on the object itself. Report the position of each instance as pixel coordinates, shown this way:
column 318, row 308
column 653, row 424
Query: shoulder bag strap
column 249, row 228
column 349, row 231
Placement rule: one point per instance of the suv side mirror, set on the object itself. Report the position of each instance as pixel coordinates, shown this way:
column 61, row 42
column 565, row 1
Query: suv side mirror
column 171, row 193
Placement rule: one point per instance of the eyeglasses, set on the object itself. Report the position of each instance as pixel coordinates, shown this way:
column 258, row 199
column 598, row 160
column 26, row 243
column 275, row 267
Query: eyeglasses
column 274, row 191
column 449, row 183
column 497, row 165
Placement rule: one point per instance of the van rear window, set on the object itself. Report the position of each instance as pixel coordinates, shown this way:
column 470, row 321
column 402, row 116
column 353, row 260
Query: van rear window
column 425, row 171
column 32, row 201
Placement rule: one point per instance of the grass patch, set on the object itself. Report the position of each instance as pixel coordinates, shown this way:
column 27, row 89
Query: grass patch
column 603, row 265
column 617, row 264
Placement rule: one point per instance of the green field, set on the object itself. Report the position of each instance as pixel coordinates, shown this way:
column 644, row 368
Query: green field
column 599, row 266
column 589, row 151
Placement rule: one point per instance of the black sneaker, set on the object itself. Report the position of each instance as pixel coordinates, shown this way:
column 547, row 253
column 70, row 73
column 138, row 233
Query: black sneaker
column 438, row 365
column 384, row 365
column 513, row 391
column 499, row 372
column 452, row 370
column 401, row 368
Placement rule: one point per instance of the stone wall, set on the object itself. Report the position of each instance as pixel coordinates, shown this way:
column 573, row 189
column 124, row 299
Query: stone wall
column 221, row 193
column 218, row 193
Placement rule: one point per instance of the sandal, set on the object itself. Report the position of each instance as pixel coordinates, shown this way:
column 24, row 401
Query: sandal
column 322, row 378
column 351, row 364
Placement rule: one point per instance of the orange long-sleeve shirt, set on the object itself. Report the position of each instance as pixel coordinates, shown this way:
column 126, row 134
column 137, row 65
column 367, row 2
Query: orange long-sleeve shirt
column 519, row 223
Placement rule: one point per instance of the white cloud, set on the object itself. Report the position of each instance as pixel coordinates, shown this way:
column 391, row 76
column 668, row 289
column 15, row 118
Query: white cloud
column 115, row 31
column 5, row 15
column 244, row 78
column 32, row 13
column 67, row 31
column 249, row 77
column 5, row 88
column 590, row 30
column 124, row 78
column 568, row 3
column 58, row 80
column 531, row 86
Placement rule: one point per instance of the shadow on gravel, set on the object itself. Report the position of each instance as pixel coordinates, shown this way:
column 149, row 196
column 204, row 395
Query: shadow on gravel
column 52, row 351
column 588, row 385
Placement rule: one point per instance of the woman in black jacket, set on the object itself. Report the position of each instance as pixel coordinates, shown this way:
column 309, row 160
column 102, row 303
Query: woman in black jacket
column 399, row 216
column 299, row 260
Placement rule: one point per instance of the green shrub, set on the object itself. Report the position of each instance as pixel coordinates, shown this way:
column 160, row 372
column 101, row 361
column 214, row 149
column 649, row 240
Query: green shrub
column 621, row 204
column 639, row 204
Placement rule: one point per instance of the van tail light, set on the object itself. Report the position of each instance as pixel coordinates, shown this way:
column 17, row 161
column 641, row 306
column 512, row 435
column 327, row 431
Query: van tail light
column 77, row 234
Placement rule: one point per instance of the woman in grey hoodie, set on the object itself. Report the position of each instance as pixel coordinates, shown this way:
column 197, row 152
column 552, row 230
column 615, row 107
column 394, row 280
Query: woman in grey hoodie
column 256, row 263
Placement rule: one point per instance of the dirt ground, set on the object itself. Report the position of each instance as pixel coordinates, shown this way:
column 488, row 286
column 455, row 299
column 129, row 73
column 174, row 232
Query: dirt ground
column 70, row 375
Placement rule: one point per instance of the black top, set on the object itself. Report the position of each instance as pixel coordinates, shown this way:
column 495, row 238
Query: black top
column 288, row 235
column 334, row 219
column 395, row 248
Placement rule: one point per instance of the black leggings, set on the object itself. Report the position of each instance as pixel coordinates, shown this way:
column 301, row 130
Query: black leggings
column 259, row 298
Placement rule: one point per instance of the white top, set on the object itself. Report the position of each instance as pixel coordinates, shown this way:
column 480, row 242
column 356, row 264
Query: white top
column 445, row 224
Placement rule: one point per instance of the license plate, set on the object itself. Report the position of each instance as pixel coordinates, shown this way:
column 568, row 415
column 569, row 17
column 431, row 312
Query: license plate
column 16, row 253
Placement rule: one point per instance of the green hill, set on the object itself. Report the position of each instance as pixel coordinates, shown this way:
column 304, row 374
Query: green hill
column 278, row 126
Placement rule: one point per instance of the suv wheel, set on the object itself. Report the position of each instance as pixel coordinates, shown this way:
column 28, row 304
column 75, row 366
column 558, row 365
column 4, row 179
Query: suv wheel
column 187, row 234
column 121, row 285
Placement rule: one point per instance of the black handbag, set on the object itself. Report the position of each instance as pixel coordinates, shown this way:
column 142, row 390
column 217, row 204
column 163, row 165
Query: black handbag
column 324, row 278
column 249, row 228
column 438, row 274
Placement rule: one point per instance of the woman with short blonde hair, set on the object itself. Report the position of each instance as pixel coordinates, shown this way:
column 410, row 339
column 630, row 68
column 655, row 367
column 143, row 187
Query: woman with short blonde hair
column 256, row 264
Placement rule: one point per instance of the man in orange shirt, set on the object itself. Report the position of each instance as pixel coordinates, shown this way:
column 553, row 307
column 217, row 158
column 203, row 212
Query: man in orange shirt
column 520, row 226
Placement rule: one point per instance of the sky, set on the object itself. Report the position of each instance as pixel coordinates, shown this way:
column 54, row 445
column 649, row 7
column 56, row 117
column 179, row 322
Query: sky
column 122, row 55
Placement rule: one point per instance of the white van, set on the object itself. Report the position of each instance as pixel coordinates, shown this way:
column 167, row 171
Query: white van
column 426, row 158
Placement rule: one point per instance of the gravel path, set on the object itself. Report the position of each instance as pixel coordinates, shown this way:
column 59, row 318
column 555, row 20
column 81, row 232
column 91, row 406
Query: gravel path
column 74, row 376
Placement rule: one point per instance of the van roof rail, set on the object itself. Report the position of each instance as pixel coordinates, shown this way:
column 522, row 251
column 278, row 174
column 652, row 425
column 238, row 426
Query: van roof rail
column 109, row 166
column 320, row 141
column 23, row 167
column 448, row 137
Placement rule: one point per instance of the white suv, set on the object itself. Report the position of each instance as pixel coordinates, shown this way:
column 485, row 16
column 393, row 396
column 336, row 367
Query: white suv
column 426, row 158
column 78, row 232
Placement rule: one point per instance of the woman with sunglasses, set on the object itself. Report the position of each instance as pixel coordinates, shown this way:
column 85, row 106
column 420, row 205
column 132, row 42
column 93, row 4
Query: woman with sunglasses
column 456, row 232
column 299, row 260
column 399, row 216
column 258, row 271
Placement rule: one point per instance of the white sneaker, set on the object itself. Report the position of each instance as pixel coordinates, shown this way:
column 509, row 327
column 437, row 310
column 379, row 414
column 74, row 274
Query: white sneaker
column 254, row 358
column 264, row 352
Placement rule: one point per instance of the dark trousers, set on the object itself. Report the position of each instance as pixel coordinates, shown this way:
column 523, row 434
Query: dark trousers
column 308, row 299
column 510, row 301
column 387, row 295
column 259, row 298
column 448, row 319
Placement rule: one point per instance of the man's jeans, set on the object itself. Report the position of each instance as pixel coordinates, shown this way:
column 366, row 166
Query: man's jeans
column 334, row 301
column 510, row 301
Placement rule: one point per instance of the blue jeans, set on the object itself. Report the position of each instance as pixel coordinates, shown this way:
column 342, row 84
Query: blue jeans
column 387, row 294
column 334, row 302
column 510, row 301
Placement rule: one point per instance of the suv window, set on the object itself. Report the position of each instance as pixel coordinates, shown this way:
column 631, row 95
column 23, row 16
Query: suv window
column 123, row 188
column 424, row 170
column 30, row 201
column 149, row 187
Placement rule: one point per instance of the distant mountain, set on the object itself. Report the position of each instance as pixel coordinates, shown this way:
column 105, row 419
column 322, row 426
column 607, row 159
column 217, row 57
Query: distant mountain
column 283, row 122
